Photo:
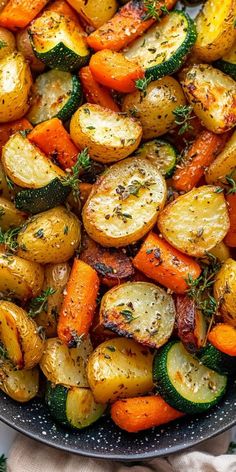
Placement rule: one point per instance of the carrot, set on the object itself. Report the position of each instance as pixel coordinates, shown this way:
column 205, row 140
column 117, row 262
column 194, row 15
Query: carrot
column 84, row 191
column 94, row 92
column 79, row 303
column 113, row 70
column 165, row 264
column 223, row 337
column 62, row 7
column 230, row 238
column 52, row 138
column 19, row 13
column 199, row 156
column 126, row 25
column 7, row 129
column 139, row 413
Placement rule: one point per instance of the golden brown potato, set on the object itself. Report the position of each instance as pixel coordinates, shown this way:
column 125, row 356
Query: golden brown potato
column 20, row 385
column 212, row 95
column 124, row 203
column 93, row 12
column 10, row 217
column 108, row 135
column 19, row 336
column 5, row 190
column 225, row 291
column 14, row 95
column 221, row 251
column 195, row 222
column 24, row 46
column 155, row 109
column 19, row 278
column 191, row 323
column 119, row 368
column 55, row 277
column 49, row 237
column 8, row 42
column 223, row 164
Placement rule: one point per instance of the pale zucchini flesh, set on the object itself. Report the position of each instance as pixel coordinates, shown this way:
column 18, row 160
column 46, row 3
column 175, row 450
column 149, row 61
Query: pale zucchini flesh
column 161, row 154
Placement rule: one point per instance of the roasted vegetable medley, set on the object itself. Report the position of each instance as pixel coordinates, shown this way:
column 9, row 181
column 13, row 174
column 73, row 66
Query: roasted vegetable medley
column 117, row 207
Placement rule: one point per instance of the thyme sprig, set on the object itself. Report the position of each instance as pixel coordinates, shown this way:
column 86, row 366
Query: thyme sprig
column 72, row 179
column 3, row 463
column 8, row 239
column 183, row 117
column 154, row 9
column 39, row 303
column 141, row 84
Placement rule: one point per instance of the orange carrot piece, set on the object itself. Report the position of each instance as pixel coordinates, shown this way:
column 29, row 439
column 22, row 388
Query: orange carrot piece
column 94, row 92
column 223, row 337
column 19, row 13
column 62, row 7
column 52, row 138
column 79, row 304
column 230, row 238
column 84, row 191
column 199, row 156
column 139, row 413
column 7, row 129
column 126, row 25
column 115, row 71
column 161, row 262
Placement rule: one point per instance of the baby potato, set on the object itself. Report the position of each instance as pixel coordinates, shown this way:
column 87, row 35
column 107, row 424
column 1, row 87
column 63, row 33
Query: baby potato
column 10, row 217
column 19, row 336
column 49, row 237
column 119, row 368
column 8, row 42
column 24, row 46
column 124, row 203
column 93, row 12
column 223, row 164
column 15, row 84
column 212, row 95
column 19, row 278
column 20, row 385
column 155, row 108
column 108, row 135
column 225, row 291
column 195, row 222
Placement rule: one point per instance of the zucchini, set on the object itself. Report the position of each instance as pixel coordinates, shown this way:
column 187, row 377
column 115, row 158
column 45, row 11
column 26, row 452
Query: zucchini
column 228, row 63
column 216, row 360
column 162, row 50
column 161, row 154
column 42, row 199
column 184, row 382
column 55, row 94
column 57, row 41
column 73, row 407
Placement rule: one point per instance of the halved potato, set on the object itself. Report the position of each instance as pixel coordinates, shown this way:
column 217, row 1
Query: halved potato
column 93, row 12
column 119, row 368
column 49, row 237
column 10, row 217
column 221, row 251
column 225, row 291
column 215, row 29
column 108, row 135
column 139, row 310
column 65, row 366
column 15, row 84
column 20, row 385
column 223, row 164
column 19, row 336
column 124, row 203
column 191, row 323
column 8, row 42
column 195, row 222
column 212, row 95
column 26, row 165
column 19, row 278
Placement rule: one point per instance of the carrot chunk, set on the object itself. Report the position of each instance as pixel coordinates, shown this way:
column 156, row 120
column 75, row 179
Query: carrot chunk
column 19, row 13
column 223, row 337
column 94, row 92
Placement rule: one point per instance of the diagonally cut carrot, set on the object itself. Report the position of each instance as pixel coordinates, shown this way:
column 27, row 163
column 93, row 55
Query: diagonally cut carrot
column 19, row 13
column 223, row 337
column 94, row 92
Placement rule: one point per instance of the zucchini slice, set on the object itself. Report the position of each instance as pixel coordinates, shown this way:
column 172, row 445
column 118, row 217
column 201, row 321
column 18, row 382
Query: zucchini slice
column 42, row 199
column 54, row 93
column 161, row 154
column 162, row 50
column 184, row 382
column 228, row 63
column 216, row 360
column 73, row 407
column 57, row 41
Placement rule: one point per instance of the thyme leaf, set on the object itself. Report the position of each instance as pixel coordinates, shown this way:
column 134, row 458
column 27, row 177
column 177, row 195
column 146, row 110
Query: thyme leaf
column 183, row 117
column 8, row 238
column 39, row 303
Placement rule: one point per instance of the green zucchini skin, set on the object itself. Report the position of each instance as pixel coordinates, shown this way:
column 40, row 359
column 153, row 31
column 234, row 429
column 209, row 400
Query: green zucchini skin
column 167, row 390
column 61, row 57
column 227, row 67
column 43, row 198
column 55, row 399
column 216, row 360
column 74, row 101
column 153, row 148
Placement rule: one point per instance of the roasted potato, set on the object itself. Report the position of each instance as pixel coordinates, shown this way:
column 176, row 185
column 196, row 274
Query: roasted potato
column 49, row 237
column 119, row 368
column 221, row 251
column 195, row 222
column 10, row 217
column 14, row 95
column 62, row 365
column 191, row 323
column 215, row 29
column 55, row 277
column 8, row 41
column 124, row 203
column 108, row 135
column 19, row 336
column 19, row 278
column 225, row 291
column 20, row 385
column 93, row 12
column 24, row 46
column 212, row 95
column 6, row 190
column 223, row 164
column 155, row 108
column 139, row 310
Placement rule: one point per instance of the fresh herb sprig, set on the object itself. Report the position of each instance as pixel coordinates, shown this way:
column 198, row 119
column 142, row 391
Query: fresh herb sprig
column 183, row 117
column 3, row 44
column 128, row 316
column 39, row 303
column 154, row 9
column 72, row 178
column 231, row 182
column 8, row 239
column 3, row 463
column 141, row 84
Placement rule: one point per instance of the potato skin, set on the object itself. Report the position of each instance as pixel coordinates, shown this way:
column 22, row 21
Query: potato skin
column 7, row 37
column 94, row 13
column 10, row 217
column 155, row 109
column 191, row 324
column 225, row 291
column 24, row 46
column 223, row 164
column 20, row 385
column 14, row 103
column 50, row 237
column 119, row 368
